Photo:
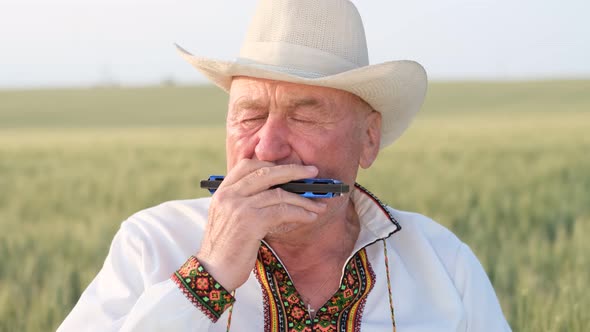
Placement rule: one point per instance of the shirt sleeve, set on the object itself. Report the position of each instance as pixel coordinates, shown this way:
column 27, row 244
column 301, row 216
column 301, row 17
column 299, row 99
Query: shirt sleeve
column 120, row 299
column 479, row 299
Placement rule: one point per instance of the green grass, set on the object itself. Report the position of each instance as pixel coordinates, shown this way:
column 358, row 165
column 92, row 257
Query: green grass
column 112, row 107
column 506, row 166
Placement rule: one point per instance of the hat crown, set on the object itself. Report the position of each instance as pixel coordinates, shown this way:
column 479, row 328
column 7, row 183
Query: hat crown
column 317, row 37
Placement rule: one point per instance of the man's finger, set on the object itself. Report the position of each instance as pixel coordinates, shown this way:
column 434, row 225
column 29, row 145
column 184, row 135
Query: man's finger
column 243, row 168
column 277, row 196
column 268, row 176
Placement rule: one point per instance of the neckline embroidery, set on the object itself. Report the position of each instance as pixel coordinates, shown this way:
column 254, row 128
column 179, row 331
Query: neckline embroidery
column 284, row 310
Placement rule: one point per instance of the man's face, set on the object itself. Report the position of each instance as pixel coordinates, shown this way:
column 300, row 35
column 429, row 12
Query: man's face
column 288, row 123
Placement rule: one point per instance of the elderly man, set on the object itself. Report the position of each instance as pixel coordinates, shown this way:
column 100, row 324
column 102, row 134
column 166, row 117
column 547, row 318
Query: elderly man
column 304, row 103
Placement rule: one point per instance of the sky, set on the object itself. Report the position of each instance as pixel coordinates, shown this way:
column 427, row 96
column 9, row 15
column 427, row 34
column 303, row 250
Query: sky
column 131, row 42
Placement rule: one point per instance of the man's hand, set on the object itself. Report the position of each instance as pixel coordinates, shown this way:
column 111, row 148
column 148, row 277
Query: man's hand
column 243, row 211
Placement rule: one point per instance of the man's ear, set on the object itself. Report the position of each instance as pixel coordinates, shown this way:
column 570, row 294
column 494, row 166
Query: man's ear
column 371, row 139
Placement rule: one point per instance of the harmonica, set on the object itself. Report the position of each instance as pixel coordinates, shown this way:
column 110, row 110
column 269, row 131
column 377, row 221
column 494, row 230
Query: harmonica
column 309, row 188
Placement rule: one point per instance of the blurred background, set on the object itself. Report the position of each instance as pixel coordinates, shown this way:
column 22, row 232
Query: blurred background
column 100, row 118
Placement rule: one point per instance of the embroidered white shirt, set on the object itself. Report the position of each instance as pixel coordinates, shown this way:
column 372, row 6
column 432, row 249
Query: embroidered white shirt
column 437, row 283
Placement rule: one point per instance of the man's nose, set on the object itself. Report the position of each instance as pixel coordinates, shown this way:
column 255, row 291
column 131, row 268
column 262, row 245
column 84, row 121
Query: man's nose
column 273, row 144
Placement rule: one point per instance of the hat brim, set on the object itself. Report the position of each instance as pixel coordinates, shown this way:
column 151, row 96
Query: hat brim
column 396, row 89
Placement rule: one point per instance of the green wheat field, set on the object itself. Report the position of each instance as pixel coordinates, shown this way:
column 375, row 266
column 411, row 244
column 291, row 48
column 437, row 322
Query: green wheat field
column 504, row 165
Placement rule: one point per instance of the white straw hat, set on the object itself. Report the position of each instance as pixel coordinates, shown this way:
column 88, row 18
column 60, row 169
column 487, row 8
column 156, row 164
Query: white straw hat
column 322, row 43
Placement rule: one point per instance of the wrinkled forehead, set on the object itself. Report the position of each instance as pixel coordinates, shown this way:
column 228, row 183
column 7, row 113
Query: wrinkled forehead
column 264, row 91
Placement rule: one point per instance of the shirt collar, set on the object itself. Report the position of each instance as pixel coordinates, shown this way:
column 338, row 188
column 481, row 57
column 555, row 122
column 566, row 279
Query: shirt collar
column 376, row 222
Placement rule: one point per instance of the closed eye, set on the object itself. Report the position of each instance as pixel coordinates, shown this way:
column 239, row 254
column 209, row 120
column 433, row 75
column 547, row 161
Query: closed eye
column 248, row 121
column 302, row 120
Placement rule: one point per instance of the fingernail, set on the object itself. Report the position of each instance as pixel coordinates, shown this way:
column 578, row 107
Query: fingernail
column 312, row 214
column 311, row 168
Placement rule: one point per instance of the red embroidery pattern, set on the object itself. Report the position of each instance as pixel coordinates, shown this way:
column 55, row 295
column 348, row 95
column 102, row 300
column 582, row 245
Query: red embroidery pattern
column 285, row 311
column 202, row 290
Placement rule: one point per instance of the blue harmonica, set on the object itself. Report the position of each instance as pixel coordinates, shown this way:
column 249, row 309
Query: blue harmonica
column 309, row 188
